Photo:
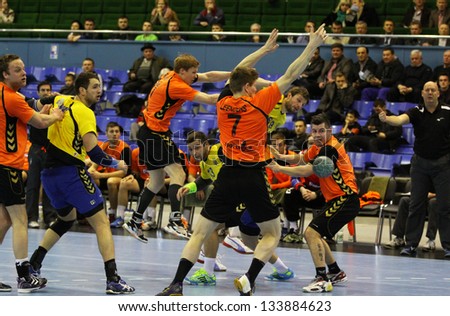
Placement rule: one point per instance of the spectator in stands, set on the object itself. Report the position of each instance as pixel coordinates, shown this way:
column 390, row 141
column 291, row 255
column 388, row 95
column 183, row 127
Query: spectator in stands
column 122, row 25
column 217, row 27
column 444, row 68
column 108, row 178
column 256, row 28
column 351, row 126
column 389, row 72
column 147, row 37
column 338, row 14
column 363, row 69
column 336, row 100
column 89, row 25
column 361, row 29
column 300, row 140
column 409, row 87
column 444, row 88
column 444, row 30
column 337, row 28
column 415, row 30
column 399, row 228
column 145, row 71
column 310, row 26
column 210, row 14
column 36, row 160
column 88, row 65
column 162, row 13
column 338, row 62
column 6, row 13
column 376, row 136
column 173, row 26
column 75, row 36
column 69, row 86
column 360, row 11
column 309, row 76
column 418, row 12
column 389, row 27
column 439, row 15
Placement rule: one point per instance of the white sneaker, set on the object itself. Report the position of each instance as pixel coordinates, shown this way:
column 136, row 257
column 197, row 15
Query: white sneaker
column 429, row 246
column 33, row 224
column 237, row 245
column 177, row 229
column 243, row 285
column 318, row 285
column 218, row 266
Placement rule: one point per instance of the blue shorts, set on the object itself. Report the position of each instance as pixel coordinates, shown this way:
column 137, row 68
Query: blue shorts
column 72, row 186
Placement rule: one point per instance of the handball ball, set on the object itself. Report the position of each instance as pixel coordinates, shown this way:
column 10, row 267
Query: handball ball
column 323, row 166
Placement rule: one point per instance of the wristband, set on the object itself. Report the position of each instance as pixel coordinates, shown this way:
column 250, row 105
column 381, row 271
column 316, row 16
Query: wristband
column 191, row 186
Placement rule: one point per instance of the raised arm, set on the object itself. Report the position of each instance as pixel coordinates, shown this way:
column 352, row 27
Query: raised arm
column 269, row 46
column 393, row 120
column 298, row 66
column 213, row 76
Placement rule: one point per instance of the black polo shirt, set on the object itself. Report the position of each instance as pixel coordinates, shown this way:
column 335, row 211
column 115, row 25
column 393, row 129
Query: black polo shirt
column 431, row 131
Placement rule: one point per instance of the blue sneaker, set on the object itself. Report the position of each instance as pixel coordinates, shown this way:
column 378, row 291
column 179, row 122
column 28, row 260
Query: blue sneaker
column 409, row 251
column 175, row 289
column 276, row 276
column 119, row 287
column 118, row 222
column 30, row 284
column 36, row 273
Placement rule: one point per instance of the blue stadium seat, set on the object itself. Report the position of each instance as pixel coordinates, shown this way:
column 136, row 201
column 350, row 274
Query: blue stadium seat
column 399, row 107
column 359, row 159
column 102, row 121
column 384, row 163
column 408, row 134
column 364, row 108
column 203, row 124
column 312, row 106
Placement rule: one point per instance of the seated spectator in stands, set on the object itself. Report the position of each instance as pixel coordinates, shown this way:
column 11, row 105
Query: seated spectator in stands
column 146, row 37
column 389, row 72
column 361, row 29
column 75, row 36
column 360, row 11
column 444, row 88
column 351, row 126
column 88, row 65
column 337, row 28
column 300, row 140
column 89, row 25
column 444, row 30
column 69, row 86
column 310, row 27
column 216, row 27
column 409, row 87
column 388, row 27
column 145, row 71
column 418, row 12
column 256, row 28
column 363, row 69
column 309, row 76
column 210, row 14
column 338, row 14
column 173, row 26
column 376, row 136
column 444, row 68
column 415, row 30
column 337, row 98
column 162, row 13
column 6, row 13
column 439, row 15
column 337, row 63
column 122, row 25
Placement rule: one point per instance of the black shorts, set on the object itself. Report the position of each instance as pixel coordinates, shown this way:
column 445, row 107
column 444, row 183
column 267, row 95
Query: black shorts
column 335, row 214
column 236, row 185
column 157, row 150
column 12, row 190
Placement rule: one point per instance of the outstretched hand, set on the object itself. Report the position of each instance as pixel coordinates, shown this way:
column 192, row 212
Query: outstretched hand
column 271, row 43
column 319, row 36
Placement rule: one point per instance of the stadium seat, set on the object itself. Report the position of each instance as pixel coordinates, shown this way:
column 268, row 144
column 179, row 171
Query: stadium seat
column 384, row 163
column 364, row 108
column 139, row 6
column 116, row 7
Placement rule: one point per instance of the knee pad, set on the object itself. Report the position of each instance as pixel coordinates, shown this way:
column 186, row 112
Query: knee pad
column 60, row 227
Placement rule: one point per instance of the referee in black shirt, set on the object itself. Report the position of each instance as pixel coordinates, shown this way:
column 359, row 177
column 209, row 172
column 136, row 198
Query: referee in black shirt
column 430, row 165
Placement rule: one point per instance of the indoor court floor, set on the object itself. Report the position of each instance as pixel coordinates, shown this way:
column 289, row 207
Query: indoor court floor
column 74, row 268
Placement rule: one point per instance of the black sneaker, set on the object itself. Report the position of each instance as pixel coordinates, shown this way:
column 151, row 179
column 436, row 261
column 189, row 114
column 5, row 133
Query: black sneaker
column 175, row 289
column 5, row 287
column 30, row 284
column 409, row 251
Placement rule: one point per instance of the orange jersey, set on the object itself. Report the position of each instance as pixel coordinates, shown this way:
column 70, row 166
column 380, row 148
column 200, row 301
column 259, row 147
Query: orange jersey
column 342, row 181
column 14, row 116
column 26, row 165
column 137, row 167
column 118, row 152
column 165, row 99
column 243, row 124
